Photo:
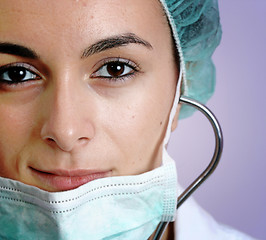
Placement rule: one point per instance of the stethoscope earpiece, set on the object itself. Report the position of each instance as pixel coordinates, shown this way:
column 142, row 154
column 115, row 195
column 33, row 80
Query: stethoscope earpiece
column 211, row 167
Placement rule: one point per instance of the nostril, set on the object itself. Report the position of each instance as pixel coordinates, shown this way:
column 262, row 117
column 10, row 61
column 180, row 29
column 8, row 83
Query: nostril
column 67, row 145
column 66, row 136
column 83, row 140
column 50, row 141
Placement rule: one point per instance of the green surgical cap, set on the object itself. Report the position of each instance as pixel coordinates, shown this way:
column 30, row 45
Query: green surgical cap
column 197, row 32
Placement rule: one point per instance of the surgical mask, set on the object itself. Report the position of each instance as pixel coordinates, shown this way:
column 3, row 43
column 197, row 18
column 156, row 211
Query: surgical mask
column 123, row 207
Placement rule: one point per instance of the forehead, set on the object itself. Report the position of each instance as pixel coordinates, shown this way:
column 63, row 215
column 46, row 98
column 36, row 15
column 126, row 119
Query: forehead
column 28, row 20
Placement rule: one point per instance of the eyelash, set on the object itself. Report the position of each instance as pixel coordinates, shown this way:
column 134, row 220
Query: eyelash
column 5, row 72
column 127, row 66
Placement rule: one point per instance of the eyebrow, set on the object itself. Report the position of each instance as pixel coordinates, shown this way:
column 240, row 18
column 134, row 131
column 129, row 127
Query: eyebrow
column 18, row 50
column 102, row 45
column 114, row 42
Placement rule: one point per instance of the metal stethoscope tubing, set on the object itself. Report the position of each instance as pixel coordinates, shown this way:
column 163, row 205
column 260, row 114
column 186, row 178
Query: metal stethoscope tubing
column 211, row 167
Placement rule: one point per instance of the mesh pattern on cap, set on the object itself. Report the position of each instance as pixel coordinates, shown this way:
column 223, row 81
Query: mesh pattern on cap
column 197, row 32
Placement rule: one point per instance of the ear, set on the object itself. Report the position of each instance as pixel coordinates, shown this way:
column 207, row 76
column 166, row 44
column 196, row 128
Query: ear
column 175, row 119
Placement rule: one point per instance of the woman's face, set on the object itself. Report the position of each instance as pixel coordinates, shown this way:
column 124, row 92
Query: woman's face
column 86, row 87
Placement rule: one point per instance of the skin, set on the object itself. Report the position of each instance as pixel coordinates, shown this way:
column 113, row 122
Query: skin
column 68, row 119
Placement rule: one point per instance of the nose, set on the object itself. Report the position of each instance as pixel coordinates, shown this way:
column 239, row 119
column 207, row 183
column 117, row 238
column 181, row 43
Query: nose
column 67, row 124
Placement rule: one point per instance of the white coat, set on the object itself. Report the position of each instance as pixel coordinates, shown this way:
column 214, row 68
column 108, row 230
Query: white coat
column 194, row 223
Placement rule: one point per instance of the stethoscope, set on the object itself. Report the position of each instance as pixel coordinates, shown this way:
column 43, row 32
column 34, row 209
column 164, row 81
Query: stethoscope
column 211, row 167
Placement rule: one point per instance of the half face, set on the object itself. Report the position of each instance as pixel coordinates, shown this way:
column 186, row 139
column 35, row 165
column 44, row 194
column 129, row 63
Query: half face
column 86, row 88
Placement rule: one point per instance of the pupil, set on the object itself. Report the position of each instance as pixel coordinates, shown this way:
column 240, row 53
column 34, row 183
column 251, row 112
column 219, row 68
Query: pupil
column 115, row 69
column 16, row 74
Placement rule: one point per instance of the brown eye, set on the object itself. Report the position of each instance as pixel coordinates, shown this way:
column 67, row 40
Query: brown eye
column 115, row 69
column 16, row 74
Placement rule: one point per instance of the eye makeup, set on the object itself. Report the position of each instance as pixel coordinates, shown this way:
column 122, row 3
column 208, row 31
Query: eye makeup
column 116, row 69
column 16, row 73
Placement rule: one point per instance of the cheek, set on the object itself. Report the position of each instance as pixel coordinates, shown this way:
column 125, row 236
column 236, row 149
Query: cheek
column 16, row 124
column 136, row 124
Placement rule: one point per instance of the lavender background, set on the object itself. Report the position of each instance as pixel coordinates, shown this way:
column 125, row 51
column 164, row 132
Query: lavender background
column 236, row 193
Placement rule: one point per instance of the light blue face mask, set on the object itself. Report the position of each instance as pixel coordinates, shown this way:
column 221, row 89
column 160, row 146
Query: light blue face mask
column 126, row 207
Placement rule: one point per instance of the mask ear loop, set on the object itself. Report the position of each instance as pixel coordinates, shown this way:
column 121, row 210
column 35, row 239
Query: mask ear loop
column 211, row 167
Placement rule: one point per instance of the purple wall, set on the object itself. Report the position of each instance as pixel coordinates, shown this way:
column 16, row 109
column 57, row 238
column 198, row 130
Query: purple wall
column 236, row 193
